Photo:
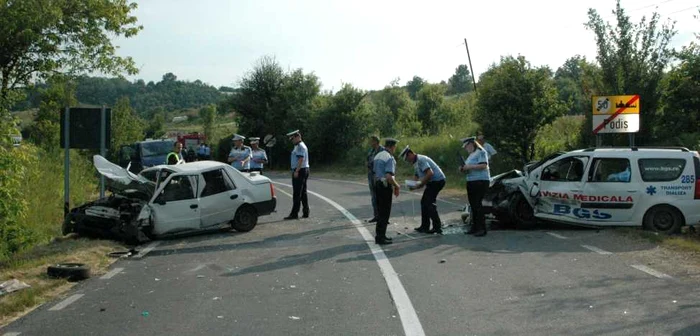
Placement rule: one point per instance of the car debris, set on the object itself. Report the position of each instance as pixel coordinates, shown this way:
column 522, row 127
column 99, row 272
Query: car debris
column 13, row 285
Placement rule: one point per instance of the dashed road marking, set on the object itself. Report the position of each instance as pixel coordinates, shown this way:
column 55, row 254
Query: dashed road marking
column 66, row 302
column 596, row 250
column 409, row 318
column 652, row 272
column 111, row 273
column 199, row 267
column 555, row 235
column 284, row 192
column 11, row 334
column 147, row 249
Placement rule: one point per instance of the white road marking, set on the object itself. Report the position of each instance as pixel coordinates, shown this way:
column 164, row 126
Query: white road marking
column 201, row 266
column 11, row 334
column 111, row 273
column 596, row 250
column 407, row 314
column 66, row 302
column 147, row 249
column 365, row 185
column 652, row 271
column 284, row 192
column 556, row 235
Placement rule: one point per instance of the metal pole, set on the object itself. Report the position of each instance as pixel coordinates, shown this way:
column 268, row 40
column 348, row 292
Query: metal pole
column 631, row 136
column 103, row 146
column 66, row 163
column 470, row 65
column 598, row 140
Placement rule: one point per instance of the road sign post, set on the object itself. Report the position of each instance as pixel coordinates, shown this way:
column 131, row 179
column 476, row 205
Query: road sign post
column 615, row 114
column 66, row 163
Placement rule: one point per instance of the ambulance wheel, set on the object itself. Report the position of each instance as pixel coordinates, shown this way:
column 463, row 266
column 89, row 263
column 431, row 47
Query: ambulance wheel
column 521, row 212
column 663, row 218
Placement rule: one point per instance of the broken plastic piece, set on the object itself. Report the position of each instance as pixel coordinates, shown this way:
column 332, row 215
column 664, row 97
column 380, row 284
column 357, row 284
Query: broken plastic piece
column 145, row 313
column 295, row 318
column 13, row 285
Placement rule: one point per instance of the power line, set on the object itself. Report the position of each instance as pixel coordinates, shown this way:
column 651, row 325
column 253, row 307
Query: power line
column 683, row 10
column 649, row 6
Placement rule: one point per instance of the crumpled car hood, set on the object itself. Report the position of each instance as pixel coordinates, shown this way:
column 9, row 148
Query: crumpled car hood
column 122, row 181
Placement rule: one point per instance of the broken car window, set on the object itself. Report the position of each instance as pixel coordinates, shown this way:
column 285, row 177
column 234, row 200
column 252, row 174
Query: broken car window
column 180, row 188
column 215, row 182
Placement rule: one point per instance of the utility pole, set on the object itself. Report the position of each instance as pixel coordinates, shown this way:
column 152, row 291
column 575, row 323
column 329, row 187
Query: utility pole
column 470, row 65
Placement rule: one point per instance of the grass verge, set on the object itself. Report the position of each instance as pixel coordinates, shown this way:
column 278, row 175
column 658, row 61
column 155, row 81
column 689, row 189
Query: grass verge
column 687, row 241
column 30, row 267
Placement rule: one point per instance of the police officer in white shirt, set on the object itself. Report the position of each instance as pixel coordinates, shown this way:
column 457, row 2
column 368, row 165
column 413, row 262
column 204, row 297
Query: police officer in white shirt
column 487, row 146
column 384, row 186
column 300, row 174
column 259, row 158
column 240, row 155
column 429, row 175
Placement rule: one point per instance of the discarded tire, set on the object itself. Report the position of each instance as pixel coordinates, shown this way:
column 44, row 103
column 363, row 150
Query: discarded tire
column 70, row 271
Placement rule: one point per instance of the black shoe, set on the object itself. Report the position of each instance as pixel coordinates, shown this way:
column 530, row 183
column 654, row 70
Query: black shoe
column 421, row 230
column 306, row 215
column 291, row 217
column 373, row 220
column 389, row 238
column 383, row 241
column 435, row 231
column 480, row 233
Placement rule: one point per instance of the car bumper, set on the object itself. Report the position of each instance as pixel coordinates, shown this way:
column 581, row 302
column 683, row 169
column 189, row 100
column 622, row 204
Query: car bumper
column 266, row 207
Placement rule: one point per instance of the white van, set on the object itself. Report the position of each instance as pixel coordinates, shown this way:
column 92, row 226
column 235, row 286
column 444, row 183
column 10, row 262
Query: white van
column 658, row 188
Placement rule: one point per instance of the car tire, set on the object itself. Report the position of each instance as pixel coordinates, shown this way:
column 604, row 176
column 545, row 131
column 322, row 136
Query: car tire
column 246, row 218
column 664, row 219
column 521, row 213
column 70, row 271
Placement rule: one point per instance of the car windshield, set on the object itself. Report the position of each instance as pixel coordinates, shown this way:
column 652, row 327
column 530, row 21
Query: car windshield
column 549, row 157
column 156, row 148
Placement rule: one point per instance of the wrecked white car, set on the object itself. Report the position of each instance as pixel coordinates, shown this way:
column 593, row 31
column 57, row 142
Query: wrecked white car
column 172, row 199
column 657, row 188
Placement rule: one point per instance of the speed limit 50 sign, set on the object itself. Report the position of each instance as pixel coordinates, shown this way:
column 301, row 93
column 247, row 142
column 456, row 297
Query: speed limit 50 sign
column 615, row 114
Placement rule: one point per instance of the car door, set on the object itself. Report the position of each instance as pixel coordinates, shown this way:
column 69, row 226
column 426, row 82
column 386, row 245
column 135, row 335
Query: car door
column 219, row 199
column 558, row 184
column 610, row 192
column 175, row 206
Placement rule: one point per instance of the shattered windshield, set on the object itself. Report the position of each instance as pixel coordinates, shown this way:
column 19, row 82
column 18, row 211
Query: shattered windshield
column 156, row 148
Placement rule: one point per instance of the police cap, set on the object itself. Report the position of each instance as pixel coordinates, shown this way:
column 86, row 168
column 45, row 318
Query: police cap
column 405, row 152
column 238, row 137
column 293, row 133
column 388, row 142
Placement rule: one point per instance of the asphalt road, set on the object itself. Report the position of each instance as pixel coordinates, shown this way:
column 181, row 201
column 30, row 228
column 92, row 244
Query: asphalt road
column 321, row 276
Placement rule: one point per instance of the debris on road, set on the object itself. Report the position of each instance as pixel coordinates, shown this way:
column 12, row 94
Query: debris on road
column 122, row 254
column 10, row 286
column 103, row 309
column 157, row 279
column 295, row 318
column 216, row 298
column 292, row 286
column 200, row 276
column 219, row 317
column 145, row 314
column 443, row 261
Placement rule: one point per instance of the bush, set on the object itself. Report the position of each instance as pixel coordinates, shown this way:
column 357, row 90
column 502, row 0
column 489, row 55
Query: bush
column 563, row 134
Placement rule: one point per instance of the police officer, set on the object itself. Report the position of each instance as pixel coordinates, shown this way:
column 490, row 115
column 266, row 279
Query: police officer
column 476, row 166
column 384, row 186
column 429, row 175
column 375, row 148
column 259, row 157
column 240, row 155
column 174, row 157
column 300, row 173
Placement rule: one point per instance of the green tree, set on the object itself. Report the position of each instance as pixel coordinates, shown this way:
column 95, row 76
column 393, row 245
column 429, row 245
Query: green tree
column 577, row 80
column 208, row 116
column 414, row 86
column 59, row 94
column 516, row 97
column 430, row 100
column 156, row 125
column 126, row 125
column 461, row 81
column 395, row 112
column 632, row 58
column 39, row 38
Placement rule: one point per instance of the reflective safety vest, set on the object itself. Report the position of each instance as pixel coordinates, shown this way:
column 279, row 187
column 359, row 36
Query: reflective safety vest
column 167, row 158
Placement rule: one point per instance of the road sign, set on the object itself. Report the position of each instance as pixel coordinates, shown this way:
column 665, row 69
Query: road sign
column 616, row 114
column 85, row 127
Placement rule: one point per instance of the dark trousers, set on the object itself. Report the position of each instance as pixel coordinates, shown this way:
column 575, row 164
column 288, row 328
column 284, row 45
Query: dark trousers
column 475, row 192
column 384, row 195
column 300, row 197
column 428, row 205
column 370, row 181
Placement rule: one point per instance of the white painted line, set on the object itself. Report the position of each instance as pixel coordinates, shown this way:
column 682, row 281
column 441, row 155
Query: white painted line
column 409, row 317
column 652, row 271
column 556, row 235
column 111, row 273
column 201, row 266
column 596, row 250
column 147, row 249
column 66, row 302
column 284, row 192
column 11, row 334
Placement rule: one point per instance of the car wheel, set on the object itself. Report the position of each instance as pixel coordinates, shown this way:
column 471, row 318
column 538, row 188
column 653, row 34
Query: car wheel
column 521, row 212
column 663, row 218
column 70, row 271
column 246, row 218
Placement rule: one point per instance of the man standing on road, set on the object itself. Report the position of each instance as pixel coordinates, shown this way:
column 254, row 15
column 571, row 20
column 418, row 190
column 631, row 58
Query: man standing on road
column 384, row 183
column 259, row 156
column 174, row 157
column 429, row 175
column 375, row 148
column 300, row 174
column 240, row 155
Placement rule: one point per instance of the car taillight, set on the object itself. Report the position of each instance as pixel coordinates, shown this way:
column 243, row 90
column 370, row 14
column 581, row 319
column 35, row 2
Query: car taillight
column 696, row 160
column 697, row 188
column 272, row 190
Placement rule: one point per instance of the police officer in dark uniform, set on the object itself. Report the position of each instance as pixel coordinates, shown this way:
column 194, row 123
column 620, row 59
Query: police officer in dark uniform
column 429, row 175
column 375, row 148
column 385, row 185
column 300, row 174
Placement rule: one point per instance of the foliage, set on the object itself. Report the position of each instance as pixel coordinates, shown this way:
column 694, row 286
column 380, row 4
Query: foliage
column 515, row 97
column 561, row 135
column 155, row 127
column 395, row 112
column 577, row 80
column 126, row 125
column 208, row 116
column 632, row 58
column 430, row 105
column 414, row 86
column 45, row 132
column 461, row 81
column 39, row 38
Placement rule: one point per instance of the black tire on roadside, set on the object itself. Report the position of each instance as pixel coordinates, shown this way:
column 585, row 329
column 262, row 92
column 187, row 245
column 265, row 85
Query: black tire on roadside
column 246, row 218
column 70, row 271
column 521, row 213
column 664, row 219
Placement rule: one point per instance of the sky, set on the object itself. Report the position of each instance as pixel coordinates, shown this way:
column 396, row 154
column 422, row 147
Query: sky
column 370, row 43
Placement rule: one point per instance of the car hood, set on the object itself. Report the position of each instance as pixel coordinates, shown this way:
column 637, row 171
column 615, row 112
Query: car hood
column 121, row 180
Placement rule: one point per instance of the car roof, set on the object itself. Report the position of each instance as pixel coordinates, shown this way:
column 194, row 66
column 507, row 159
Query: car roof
column 637, row 151
column 198, row 166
